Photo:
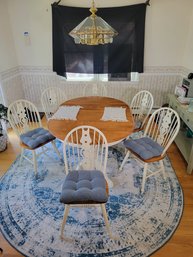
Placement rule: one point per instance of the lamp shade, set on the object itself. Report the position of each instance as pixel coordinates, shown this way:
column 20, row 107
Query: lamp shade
column 93, row 30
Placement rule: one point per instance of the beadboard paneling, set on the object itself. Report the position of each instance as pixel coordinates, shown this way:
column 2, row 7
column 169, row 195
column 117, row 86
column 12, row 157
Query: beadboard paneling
column 11, row 86
column 29, row 82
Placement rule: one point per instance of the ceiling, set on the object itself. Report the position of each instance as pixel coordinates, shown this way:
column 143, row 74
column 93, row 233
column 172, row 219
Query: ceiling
column 99, row 3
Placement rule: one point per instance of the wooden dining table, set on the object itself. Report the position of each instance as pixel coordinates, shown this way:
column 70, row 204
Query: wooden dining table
column 90, row 114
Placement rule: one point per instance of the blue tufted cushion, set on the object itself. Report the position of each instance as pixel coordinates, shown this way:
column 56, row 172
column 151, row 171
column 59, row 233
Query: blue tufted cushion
column 145, row 147
column 84, row 186
column 36, row 137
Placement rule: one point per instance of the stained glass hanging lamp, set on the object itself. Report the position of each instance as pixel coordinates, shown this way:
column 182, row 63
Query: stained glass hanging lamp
column 93, row 30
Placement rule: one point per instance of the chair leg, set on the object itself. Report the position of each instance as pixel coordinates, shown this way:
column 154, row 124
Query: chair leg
column 21, row 157
column 66, row 211
column 34, row 161
column 125, row 159
column 144, row 177
column 162, row 168
column 56, row 149
column 103, row 208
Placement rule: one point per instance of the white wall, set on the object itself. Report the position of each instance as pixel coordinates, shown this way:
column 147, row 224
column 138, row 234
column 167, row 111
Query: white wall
column 167, row 26
column 7, row 49
column 99, row 3
column 33, row 16
column 188, row 53
column 168, row 47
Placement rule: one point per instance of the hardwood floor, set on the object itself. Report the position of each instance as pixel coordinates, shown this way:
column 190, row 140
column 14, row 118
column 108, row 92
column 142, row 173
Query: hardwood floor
column 180, row 244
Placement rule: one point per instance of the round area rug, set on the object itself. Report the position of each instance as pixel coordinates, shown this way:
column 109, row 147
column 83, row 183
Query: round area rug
column 31, row 214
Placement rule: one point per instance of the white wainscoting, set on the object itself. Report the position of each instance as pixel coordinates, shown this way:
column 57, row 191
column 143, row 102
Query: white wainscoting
column 11, row 86
column 29, row 82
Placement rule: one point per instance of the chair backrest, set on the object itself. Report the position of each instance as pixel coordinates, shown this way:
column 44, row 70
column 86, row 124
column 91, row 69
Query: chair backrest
column 51, row 98
column 95, row 90
column 85, row 147
column 163, row 126
column 23, row 116
column 141, row 106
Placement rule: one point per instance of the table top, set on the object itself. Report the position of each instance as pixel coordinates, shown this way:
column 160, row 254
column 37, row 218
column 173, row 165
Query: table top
column 91, row 114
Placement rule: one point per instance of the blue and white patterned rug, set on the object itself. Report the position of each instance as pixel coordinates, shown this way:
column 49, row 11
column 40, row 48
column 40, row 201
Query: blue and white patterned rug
column 31, row 214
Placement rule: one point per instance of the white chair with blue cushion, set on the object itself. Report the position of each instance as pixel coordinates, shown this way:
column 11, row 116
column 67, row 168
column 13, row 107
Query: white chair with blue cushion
column 25, row 120
column 162, row 128
column 85, row 156
column 95, row 89
column 141, row 106
column 51, row 99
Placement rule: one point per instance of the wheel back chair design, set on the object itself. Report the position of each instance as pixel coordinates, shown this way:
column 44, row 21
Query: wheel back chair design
column 95, row 90
column 85, row 156
column 51, row 98
column 25, row 120
column 141, row 106
column 162, row 128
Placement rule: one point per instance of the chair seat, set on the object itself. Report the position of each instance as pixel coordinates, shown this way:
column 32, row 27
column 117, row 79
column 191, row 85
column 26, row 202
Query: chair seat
column 36, row 137
column 84, row 187
column 145, row 147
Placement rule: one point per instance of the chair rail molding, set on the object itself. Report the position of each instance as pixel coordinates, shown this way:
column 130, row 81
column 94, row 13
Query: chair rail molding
column 28, row 82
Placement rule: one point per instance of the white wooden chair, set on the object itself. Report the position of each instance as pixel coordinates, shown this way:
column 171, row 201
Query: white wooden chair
column 25, row 120
column 95, row 89
column 51, row 98
column 162, row 128
column 85, row 156
column 141, row 106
